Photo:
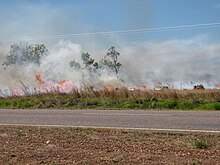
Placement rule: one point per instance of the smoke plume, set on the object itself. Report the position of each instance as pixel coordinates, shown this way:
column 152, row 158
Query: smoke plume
column 172, row 62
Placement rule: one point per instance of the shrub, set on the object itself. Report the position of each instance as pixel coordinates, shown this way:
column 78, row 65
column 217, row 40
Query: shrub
column 201, row 144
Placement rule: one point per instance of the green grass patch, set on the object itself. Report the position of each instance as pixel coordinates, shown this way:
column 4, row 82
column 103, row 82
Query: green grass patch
column 201, row 144
column 70, row 101
column 117, row 159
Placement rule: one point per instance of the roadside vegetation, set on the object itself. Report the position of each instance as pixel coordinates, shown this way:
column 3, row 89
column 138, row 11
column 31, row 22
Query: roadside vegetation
column 119, row 99
column 24, row 54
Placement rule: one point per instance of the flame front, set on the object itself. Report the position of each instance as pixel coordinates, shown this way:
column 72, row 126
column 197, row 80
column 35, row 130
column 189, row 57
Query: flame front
column 39, row 80
column 108, row 89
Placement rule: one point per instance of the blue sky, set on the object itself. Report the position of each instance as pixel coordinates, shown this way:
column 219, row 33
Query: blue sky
column 48, row 17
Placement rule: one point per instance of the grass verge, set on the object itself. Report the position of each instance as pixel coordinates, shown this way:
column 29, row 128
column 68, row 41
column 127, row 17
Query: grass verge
column 122, row 99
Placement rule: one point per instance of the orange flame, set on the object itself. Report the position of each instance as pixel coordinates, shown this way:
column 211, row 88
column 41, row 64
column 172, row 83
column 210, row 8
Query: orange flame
column 108, row 89
column 39, row 79
column 62, row 83
column 17, row 92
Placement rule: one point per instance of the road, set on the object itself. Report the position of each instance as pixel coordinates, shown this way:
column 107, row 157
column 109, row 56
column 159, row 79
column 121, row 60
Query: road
column 204, row 121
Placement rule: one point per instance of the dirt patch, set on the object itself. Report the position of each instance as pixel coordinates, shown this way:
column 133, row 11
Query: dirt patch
column 53, row 146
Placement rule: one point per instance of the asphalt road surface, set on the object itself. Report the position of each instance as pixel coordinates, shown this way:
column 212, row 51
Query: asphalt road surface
column 136, row 119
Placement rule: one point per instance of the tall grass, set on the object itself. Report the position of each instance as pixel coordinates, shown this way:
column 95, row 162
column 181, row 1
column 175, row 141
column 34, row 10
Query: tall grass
column 118, row 99
column 150, row 94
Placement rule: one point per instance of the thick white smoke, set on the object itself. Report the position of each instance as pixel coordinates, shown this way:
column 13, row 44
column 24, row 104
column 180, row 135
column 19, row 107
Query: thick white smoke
column 173, row 62
column 55, row 68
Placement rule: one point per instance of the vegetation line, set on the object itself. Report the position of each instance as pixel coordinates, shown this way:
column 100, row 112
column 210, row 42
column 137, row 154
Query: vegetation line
column 118, row 99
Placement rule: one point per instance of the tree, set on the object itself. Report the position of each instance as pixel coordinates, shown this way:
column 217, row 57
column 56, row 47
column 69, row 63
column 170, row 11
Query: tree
column 111, row 60
column 23, row 53
column 75, row 65
column 89, row 63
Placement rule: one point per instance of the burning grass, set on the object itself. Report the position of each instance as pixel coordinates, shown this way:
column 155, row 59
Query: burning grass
column 118, row 99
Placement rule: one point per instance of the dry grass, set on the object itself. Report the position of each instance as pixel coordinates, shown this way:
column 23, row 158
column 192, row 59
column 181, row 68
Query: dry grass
column 118, row 99
column 87, row 92
column 161, row 94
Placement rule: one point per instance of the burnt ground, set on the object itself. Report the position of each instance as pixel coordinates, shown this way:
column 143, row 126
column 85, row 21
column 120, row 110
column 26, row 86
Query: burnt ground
column 53, row 146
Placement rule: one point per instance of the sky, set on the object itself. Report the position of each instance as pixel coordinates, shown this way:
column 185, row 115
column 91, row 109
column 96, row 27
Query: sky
column 21, row 18
column 180, row 55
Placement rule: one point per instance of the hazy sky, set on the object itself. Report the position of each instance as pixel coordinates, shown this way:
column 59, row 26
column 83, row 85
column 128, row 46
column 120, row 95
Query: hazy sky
column 48, row 17
column 181, row 55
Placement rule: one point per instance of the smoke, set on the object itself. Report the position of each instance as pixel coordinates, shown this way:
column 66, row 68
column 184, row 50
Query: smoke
column 172, row 61
column 193, row 60
column 55, row 68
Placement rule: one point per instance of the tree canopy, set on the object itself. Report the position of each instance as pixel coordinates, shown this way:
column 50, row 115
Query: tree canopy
column 24, row 53
column 109, row 62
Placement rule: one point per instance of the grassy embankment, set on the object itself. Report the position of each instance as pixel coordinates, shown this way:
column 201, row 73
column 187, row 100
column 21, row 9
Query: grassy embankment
column 120, row 99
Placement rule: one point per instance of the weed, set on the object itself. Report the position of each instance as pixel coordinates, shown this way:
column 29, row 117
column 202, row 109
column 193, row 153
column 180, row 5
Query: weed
column 117, row 159
column 18, row 133
column 196, row 162
column 217, row 106
column 201, row 144
column 140, row 132
column 170, row 133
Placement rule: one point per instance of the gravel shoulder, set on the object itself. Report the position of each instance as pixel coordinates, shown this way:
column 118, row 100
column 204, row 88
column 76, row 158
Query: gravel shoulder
column 46, row 145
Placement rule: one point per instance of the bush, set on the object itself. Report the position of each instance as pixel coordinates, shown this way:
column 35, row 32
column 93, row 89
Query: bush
column 217, row 106
column 201, row 144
